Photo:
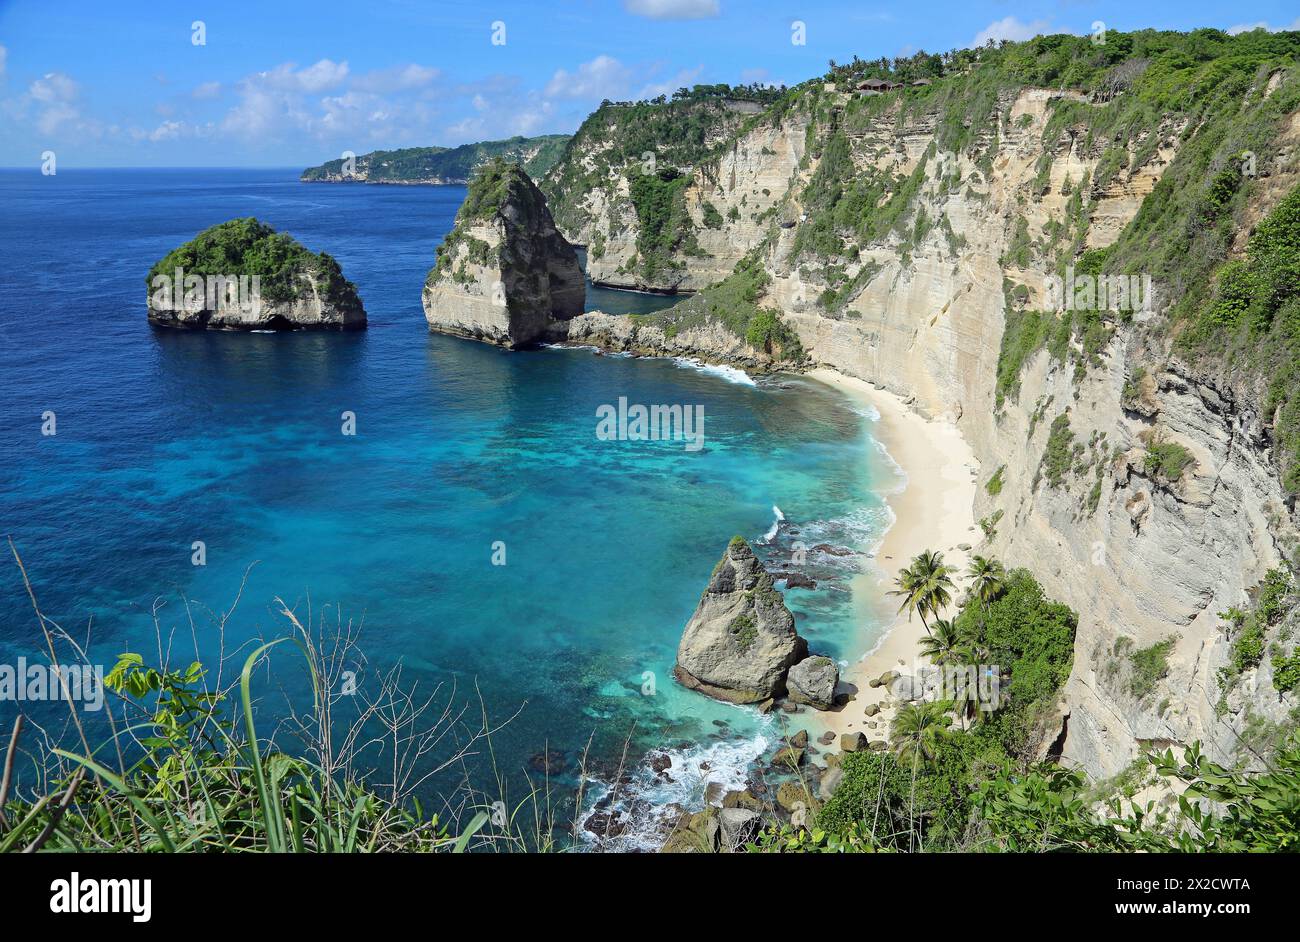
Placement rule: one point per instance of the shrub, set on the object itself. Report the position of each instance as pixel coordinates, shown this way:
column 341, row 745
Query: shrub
column 994, row 484
column 1166, row 461
column 712, row 218
column 1150, row 665
column 1058, row 457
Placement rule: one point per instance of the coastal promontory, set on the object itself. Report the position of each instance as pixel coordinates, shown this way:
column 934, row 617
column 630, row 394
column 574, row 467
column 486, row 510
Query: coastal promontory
column 504, row 274
column 243, row 275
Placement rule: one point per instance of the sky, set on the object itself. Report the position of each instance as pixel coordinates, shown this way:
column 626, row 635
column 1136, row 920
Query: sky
column 290, row 84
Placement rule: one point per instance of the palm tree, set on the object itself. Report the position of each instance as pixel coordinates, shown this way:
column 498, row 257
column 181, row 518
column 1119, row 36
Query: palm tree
column 988, row 578
column 925, row 586
column 965, row 693
column 935, row 581
column 915, row 734
column 942, row 642
column 909, row 588
column 917, row 730
column 987, row 581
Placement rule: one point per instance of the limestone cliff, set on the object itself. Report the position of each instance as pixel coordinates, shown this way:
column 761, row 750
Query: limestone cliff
column 670, row 195
column 504, row 274
column 919, row 240
column 243, row 275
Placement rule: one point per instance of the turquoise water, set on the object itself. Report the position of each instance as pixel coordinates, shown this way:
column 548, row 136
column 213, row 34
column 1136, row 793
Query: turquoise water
column 165, row 438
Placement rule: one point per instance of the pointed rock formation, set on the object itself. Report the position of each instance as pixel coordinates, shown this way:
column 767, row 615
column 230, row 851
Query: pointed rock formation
column 504, row 273
column 741, row 642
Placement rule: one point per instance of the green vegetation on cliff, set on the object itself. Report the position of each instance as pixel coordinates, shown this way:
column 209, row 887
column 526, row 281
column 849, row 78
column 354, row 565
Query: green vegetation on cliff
column 494, row 184
column 1223, row 101
column 651, row 147
column 984, row 789
column 665, row 227
column 420, row 164
column 734, row 303
column 922, row 795
column 1255, row 315
column 285, row 269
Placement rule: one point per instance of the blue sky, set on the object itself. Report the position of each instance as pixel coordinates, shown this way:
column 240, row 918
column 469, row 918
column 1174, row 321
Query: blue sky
column 289, row 83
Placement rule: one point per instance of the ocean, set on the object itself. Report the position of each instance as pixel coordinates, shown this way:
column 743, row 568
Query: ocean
column 464, row 457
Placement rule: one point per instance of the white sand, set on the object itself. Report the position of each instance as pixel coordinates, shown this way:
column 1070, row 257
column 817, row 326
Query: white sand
column 934, row 511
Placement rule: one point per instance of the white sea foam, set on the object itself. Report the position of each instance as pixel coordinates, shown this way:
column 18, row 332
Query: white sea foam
column 730, row 373
column 651, row 801
column 900, row 476
column 777, row 518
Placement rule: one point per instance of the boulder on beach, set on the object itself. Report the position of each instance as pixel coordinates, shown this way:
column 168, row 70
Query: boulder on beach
column 737, row 827
column 813, row 681
column 793, row 796
column 742, row 799
column 853, row 742
column 740, row 643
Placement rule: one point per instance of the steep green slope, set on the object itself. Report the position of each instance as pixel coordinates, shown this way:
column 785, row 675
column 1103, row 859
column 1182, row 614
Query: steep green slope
column 642, row 153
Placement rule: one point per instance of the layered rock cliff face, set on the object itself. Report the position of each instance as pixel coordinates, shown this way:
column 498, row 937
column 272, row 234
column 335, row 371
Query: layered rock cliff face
column 969, row 205
column 671, row 198
column 243, row 275
column 504, row 274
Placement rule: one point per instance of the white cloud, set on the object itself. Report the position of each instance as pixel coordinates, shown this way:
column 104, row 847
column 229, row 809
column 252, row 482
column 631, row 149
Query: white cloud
column 53, row 87
column 324, row 74
column 683, row 79
column 1010, row 28
column 168, row 130
column 4, row 61
column 1248, row 27
column 207, row 91
column 672, row 9
column 55, row 95
column 602, row 77
column 526, row 117
column 273, row 101
column 396, row 79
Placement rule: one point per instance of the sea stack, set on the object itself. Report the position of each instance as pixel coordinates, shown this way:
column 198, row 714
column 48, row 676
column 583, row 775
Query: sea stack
column 243, row 275
column 741, row 642
column 504, row 274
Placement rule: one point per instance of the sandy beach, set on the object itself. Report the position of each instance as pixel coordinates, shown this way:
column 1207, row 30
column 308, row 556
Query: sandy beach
column 934, row 511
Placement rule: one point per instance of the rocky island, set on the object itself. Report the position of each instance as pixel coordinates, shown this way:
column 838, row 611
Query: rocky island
column 243, row 275
column 504, row 274
column 741, row 645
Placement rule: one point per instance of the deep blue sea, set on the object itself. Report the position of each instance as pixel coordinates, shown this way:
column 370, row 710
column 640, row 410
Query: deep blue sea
column 165, row 438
